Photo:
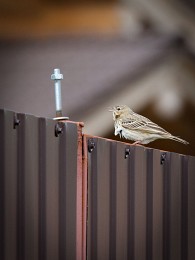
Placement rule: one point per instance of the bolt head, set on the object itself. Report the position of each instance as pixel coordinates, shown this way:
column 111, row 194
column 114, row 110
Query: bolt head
column 56, row 75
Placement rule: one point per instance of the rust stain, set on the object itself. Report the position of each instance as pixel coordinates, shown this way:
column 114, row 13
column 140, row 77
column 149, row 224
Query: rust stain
column 79, row 239
column 84, row 205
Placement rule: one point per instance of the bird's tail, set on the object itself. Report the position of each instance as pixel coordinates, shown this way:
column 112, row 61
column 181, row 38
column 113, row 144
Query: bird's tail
column 175, row 138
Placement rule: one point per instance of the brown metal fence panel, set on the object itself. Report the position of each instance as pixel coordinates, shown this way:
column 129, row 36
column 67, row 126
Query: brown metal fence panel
column 68, row 196
column 155, row 206
column 8, row 187
column 140, row 203
column 190, row 209
column 39, row 183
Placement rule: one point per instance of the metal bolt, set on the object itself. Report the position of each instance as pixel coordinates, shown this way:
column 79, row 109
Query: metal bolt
column 16, row 121
column 162, row 158
column 57, row 77
column 91, row 145
column 127, row 153
column 58, row 129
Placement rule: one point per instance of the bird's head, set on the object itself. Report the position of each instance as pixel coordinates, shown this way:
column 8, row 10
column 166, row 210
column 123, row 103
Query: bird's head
column 120, row 110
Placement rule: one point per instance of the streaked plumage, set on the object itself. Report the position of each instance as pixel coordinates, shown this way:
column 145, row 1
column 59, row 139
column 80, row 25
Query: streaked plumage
column 138, row 128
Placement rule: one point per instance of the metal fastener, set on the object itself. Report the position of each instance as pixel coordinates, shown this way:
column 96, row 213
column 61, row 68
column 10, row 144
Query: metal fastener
column 58, row 129
column 57, row 77
column 16, row 121
column 127, row 152
column 91, row 145
column 162, row 158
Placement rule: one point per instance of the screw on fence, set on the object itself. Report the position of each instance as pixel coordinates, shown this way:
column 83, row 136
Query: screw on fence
column 58, row 129
column 16, row 121
column 162, row 158
column 91, row 145
column 57, row 77
column 127, row 152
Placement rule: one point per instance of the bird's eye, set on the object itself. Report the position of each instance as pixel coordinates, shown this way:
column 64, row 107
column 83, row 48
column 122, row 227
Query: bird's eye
column 118, row 108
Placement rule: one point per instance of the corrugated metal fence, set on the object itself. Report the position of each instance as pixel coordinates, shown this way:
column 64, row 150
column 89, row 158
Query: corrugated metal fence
column 68, row 196
column 40, row 193
column 141, row 203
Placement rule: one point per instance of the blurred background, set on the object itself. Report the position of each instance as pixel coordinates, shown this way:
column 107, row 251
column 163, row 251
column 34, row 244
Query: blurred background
column 139, row 53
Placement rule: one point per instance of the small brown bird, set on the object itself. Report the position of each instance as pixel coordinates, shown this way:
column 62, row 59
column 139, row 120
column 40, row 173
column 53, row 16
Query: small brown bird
column 138, row 128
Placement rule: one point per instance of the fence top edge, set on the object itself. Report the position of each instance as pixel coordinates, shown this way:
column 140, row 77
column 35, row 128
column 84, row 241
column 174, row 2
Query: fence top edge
column 4, row 110
column 87, row 136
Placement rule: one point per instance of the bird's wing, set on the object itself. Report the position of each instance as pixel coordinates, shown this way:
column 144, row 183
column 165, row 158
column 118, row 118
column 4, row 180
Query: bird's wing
column 141, row 123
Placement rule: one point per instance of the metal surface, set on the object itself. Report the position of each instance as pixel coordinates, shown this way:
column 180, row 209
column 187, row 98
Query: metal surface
column 189, row 208
column 57, row 77
column 41, row 189
column 68, row 196
column 140, row 203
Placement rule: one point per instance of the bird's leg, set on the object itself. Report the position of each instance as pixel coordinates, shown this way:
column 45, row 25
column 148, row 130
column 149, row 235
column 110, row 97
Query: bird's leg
column 137, row 142
column 120, row 133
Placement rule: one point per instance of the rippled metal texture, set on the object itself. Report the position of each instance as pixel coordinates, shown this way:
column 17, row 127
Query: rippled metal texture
column 68, row 196
column 38, row 189
column 140, row 203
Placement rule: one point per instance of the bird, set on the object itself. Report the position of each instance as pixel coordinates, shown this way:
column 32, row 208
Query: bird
column 138, row 128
